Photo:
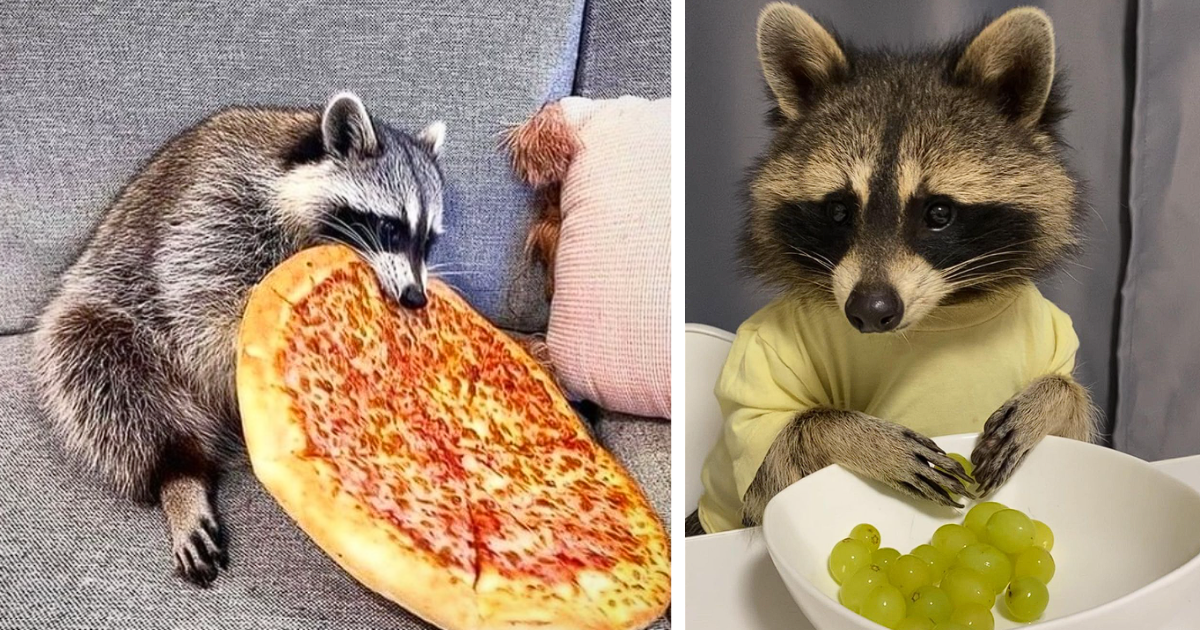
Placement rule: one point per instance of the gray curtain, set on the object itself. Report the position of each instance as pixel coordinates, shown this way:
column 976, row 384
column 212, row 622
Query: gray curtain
column 1134, row 75
column 1158, row 346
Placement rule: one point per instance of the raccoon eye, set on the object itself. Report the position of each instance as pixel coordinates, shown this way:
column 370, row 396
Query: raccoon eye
column 391, row 235
column 939, row 215
column 838, row 211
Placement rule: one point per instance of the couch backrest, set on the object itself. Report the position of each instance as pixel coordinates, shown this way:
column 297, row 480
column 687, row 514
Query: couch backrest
column 90, row 92
column 625, row 48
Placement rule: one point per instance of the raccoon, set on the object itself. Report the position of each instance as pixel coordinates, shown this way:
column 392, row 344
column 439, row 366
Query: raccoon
column 897, row 185
column 135, row 354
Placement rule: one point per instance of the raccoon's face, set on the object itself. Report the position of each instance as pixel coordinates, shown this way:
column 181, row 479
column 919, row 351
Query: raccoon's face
column 895, row 183
column 375, row 189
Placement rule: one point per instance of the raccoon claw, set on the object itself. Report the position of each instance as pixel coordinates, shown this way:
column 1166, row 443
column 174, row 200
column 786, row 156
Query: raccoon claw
column 200, row 553
column 1001, row 448
column 932, row 475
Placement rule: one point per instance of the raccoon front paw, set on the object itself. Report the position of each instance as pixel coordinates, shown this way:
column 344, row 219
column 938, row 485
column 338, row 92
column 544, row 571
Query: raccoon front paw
column 1008, row 437
column 200, row 551
column 912, row 464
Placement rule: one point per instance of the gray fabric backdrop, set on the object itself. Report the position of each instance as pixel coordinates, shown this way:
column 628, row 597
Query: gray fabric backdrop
column 1112, row 50
column 1158, row 410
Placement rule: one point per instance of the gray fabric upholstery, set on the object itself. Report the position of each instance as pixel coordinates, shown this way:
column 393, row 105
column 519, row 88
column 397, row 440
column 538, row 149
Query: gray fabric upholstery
column 625, row 48
column 72, row 556
column 1158, row 351
column 650, row 440
column 92, row 89
column 726, row 129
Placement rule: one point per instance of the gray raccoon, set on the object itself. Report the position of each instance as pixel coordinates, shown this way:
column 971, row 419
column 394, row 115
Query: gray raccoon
column 896, row 184
column 135, row 354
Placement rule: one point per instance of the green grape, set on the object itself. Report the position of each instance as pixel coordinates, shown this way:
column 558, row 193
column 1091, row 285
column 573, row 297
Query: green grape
column 986, row 560
column 884, row 606
column 1010, row 531
column 973, row 617
column 977, row 518
column 1042, row 536
column 966, row 463
column 915, row 623
column 847, row 557
column 938, row 561
column 965, row 586
column 950, row 539
column 1026, row 599
column 884, row 557
column 1034, row 562
column 949, row 625
column 867, row 534
column 909, row 573
column 856, row 588
column 930, row 602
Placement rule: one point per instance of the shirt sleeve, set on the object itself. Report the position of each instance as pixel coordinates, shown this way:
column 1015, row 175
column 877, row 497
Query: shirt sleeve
column 1066, row 343
column 760, row 392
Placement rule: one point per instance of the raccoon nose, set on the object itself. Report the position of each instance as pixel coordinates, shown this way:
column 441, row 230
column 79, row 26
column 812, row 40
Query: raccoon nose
column 412, row 297
column 874, row 308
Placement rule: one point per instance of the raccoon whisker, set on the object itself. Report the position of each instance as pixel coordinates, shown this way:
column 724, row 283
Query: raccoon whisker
column 983, row 269
column 1009, row 271
column 989, row 255
column 820, row 260
column 323, row 238
column 992, row 253
column 987, row 279
column 978, row 266
column 343, row 228
column 1070, row 276
column 444, row 265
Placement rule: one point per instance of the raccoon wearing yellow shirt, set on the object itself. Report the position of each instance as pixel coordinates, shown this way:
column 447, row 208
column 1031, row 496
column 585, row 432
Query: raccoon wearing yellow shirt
column 904, row 207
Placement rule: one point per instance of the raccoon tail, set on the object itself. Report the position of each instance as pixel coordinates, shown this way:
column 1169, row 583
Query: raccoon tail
column 119, row 408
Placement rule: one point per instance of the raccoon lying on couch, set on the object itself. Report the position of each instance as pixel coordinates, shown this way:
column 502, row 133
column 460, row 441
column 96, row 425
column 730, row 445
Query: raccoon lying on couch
column 904, row 206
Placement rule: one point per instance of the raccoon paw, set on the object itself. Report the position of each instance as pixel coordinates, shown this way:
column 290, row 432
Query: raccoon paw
column 1008, row 436
column 200, row 551
column 912, row 464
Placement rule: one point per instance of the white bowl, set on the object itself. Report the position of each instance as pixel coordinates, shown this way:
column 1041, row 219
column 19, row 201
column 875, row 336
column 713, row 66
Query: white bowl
column 1126, row 536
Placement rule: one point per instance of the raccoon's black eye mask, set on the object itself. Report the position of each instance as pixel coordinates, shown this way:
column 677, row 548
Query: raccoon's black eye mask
column 376, row 233
column 365, row 230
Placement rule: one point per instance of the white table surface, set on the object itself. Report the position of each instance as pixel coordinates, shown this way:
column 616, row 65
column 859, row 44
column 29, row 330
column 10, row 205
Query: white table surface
column 732, row 584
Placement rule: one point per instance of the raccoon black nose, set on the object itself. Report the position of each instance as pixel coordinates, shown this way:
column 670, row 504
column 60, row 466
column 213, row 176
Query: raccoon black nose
column 412, row 297
column 874, row 308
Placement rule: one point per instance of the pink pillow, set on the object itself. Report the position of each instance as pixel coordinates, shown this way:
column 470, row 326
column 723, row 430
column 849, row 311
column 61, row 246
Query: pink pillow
column 604, row 168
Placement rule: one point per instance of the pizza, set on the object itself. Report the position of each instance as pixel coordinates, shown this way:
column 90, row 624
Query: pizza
column 435, row 461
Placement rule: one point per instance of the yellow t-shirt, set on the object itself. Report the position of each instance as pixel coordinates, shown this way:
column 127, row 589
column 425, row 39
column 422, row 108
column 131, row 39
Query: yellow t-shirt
column 945, row 375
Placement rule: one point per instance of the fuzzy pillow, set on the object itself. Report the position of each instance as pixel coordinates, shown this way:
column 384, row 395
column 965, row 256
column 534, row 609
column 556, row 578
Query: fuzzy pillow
column 603, row 168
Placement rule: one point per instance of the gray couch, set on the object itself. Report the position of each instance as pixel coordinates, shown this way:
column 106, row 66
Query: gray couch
column 90, row 90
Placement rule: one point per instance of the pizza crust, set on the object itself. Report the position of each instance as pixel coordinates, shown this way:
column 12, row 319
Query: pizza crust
column 379, row 556
column 260, row 389
column 506, row 603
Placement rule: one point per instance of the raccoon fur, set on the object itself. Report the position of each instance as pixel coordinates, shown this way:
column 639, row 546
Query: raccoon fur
column 135, row 354
column 898, row 182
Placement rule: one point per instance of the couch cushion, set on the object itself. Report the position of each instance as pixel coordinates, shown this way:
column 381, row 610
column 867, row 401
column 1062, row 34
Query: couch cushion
column 90, row 90
column 72, row 556
column 625, row 49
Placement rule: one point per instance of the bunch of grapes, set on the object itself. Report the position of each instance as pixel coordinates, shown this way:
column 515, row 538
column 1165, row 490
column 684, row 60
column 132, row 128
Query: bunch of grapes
column 952, row 583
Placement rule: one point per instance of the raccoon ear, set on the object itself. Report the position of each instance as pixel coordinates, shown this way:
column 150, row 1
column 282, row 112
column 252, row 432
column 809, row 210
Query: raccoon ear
column 433, row 137
column 799, row 57
column 1012, row 61
column 346, row 127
